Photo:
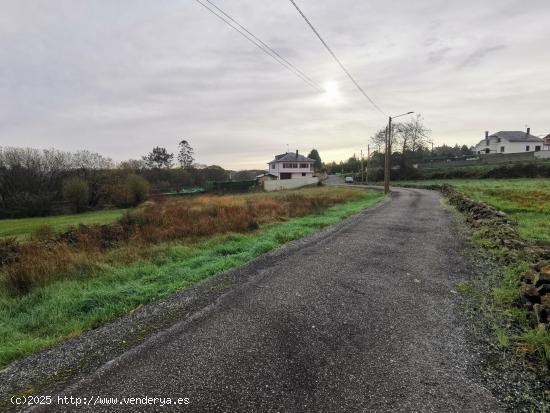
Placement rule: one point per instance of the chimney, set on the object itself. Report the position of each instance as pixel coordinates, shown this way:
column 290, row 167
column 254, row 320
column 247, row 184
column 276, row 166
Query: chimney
column 296, row 153
column 528, row 131
column 486, row 134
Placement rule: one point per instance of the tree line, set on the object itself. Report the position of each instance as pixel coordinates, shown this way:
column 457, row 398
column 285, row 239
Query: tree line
column 36, row 182
column 409, row 144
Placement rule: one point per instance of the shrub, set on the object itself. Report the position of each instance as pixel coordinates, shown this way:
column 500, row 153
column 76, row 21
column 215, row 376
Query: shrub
column 9, row 251
column 43, row 233
column 163, row 186
column 27, row 204
column 138, row 189
column 76, row 191
column 129, row 191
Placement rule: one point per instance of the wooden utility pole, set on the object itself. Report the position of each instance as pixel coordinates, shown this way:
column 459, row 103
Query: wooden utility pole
column 387, row 158
column 367, row 164
column 362, row 168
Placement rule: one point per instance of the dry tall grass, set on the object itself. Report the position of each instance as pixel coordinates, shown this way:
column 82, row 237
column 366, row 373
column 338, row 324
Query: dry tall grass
column 81, row 250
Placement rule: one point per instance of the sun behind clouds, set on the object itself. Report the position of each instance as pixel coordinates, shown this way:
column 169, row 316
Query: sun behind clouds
column 331, row 95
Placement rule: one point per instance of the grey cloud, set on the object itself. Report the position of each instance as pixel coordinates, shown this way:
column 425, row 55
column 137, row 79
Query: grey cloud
column 438, row 55
column 478, row 55
column 121, row 77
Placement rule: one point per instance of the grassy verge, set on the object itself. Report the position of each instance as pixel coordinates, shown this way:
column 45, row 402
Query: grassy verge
column 22, row 228
column 513, row 325
column 525, row 201
column 67, row 307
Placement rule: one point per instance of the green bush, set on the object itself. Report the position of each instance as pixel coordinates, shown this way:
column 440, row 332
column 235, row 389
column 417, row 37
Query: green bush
column 138, row 189
column 76, row 191
column 127, row 191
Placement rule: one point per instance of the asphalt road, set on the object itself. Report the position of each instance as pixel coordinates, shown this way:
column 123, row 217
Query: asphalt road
column 366, row 319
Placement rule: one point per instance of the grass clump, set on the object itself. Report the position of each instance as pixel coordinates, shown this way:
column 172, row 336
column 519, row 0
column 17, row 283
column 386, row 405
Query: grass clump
column 536, row 340
column 465, row 287
column 506, row 294
column 502, row 337
column 133, row 273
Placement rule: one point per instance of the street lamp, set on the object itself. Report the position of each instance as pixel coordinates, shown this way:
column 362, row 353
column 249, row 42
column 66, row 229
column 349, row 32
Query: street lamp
column 388, row 150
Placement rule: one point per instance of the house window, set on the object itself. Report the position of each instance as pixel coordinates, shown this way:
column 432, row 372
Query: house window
column 295, row 165
column 502, row 149
column 527, row 148
column 303, row 165
column 498, row 140
column 272, row 166
column 303, row 174
column 537, row 148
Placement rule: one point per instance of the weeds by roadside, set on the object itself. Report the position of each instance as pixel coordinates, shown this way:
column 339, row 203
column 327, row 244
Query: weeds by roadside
column 513, row 365
column 82, row 250
column 519, row 327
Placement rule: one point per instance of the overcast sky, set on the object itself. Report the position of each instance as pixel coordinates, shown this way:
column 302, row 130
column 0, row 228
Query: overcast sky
column 119, row 77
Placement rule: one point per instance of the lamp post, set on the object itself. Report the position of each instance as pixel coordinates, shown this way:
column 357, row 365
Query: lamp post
column 388, row 151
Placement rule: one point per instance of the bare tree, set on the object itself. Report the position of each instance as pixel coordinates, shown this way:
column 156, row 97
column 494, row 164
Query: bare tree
column 30, row 179
column 418, row 133
column 379, row 138
column 407, row 137
column 133, row 164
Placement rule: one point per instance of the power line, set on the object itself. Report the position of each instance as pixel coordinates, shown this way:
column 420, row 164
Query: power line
column 265, row 45
column 336, row 58
column 231, row 22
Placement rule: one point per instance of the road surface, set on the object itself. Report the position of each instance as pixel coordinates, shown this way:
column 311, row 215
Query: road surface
column 366, row 319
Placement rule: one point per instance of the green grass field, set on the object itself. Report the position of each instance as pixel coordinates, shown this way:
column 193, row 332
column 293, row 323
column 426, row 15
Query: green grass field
column 22, row 228
column 526, row 201
column 66, row 308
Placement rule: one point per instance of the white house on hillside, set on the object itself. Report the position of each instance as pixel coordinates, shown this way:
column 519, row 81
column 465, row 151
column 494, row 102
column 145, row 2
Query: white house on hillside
column 291, row 165
column 510, row 142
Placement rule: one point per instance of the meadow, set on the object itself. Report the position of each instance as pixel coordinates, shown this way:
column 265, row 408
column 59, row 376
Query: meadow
column 22, row 228
column 89, row 275
column 526, row 201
